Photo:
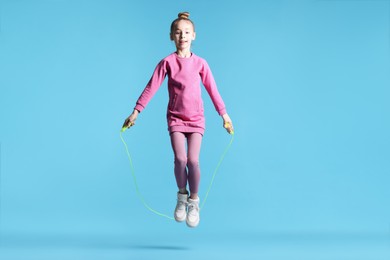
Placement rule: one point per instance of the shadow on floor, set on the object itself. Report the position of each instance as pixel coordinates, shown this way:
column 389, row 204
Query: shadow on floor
column 159, row 247
column 85, row 242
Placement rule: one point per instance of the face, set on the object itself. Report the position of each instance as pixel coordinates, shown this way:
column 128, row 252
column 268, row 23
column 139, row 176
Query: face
column 183, row 35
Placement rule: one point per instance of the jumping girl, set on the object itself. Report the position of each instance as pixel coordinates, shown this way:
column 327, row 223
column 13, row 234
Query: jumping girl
column 185, row 113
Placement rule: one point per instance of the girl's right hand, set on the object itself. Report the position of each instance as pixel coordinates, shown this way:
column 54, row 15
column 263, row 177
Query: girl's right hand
column 130, row 121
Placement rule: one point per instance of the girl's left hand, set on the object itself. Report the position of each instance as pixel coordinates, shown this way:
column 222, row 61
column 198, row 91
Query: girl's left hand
column 227, row 124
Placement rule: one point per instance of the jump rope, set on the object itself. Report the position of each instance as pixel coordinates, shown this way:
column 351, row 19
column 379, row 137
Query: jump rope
column 141, row 197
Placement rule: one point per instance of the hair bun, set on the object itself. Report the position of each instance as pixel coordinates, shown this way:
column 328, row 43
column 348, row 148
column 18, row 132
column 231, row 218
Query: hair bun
column 184, row 15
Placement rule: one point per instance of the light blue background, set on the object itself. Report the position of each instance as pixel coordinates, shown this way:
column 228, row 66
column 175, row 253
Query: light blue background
column 305, row 82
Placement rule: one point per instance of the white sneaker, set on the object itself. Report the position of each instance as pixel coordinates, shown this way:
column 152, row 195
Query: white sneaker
column 193, row 212
column 181, row 207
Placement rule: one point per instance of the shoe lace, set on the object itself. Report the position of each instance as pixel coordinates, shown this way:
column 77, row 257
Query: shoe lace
column 192, row 206
column 181, row 203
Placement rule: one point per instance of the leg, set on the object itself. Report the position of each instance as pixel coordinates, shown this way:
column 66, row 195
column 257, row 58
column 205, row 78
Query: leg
column 179, row 149
column 194, row 143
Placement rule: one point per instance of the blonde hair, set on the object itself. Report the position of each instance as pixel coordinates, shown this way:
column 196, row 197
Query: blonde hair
column 181, row 16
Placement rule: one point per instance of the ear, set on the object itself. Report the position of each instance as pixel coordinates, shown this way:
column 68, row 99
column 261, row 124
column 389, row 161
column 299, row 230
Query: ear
column 194, row 36
column 171, row 36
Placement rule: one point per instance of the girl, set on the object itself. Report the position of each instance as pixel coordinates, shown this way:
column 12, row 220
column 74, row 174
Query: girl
column 185, row 114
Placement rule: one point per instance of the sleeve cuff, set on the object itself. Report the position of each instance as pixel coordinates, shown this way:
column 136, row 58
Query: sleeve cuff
column 139, row 107
column 222, row 112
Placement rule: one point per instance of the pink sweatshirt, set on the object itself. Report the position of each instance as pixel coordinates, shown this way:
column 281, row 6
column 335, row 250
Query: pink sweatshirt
column 185, row 111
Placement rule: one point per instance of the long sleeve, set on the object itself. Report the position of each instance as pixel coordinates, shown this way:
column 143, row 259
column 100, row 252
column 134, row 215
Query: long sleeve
column 153, row 85
column 211, row 87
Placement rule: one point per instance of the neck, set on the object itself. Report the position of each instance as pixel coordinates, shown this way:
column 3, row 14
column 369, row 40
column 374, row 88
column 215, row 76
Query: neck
column 184, row 53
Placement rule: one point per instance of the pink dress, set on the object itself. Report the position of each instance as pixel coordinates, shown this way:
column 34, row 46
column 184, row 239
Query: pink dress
column 185, row 112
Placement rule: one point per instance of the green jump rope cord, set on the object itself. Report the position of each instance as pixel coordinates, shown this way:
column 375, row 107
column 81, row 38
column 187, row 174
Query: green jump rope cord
column 216, row 169
column 139, row 194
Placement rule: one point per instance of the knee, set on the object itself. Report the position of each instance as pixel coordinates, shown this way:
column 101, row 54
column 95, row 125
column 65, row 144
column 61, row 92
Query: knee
column 181, row 160
column 193, row 162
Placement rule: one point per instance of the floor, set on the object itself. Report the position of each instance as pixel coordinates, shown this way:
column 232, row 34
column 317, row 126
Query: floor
column 214, row 246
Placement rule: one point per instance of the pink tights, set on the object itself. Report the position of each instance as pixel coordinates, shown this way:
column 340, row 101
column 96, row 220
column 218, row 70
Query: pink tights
column 187, row 162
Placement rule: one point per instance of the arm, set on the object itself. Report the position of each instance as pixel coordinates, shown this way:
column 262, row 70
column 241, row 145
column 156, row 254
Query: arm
column 211, row 87
column 153, row 85
column 147, row 94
